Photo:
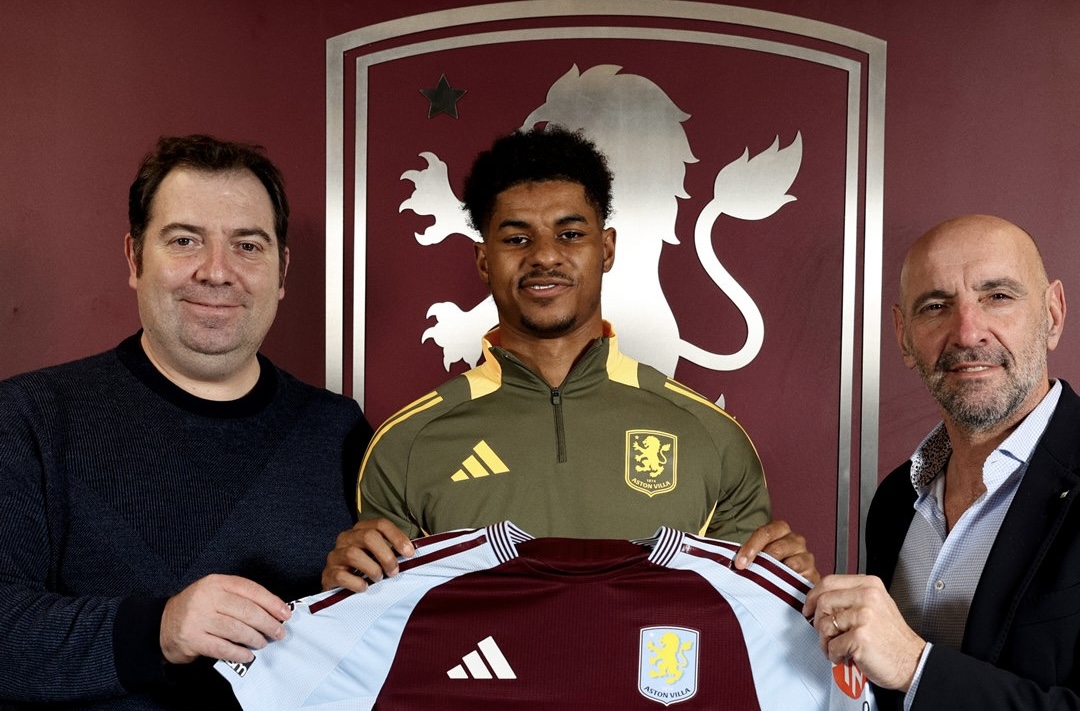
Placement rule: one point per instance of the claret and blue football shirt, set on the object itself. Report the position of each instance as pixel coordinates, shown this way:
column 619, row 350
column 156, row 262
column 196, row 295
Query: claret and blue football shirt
column 492, row 618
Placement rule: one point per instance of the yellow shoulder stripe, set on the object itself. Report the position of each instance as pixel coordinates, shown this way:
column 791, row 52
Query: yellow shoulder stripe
column 427, row 401
column 686, row 392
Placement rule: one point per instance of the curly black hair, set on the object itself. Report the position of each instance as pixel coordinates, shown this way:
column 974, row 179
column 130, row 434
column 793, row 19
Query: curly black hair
column 537, row 155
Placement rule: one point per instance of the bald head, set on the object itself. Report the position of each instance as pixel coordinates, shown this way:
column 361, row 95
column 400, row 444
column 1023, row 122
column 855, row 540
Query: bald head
column 976, row 318
column 969, row 239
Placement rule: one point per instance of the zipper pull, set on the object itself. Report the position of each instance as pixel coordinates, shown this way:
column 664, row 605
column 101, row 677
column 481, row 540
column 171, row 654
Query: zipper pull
column 556, row 397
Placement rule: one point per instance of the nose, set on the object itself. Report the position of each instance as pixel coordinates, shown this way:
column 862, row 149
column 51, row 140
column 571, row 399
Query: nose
column 969, row 324
column 215, row 266
column 546, row 251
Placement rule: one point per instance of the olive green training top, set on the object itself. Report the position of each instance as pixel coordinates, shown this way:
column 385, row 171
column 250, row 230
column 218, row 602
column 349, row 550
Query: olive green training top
column 615, row 452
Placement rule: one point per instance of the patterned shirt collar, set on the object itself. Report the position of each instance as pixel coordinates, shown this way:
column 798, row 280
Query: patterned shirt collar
column 932, row 455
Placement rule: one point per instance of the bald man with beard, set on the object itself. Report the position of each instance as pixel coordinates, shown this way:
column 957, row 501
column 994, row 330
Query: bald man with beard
column 973, row 595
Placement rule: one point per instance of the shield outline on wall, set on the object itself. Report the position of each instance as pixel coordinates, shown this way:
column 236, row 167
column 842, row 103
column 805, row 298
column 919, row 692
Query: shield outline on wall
column 368, row 46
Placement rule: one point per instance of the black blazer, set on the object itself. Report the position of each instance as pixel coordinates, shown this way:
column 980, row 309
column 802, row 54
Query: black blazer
column 1022, row 641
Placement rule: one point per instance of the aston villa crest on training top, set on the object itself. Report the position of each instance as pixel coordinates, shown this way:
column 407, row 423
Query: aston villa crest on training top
column 652, row 461
column 740, row 144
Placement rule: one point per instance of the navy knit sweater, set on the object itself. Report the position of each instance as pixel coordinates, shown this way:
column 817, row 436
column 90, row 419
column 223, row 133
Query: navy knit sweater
column 118, row 489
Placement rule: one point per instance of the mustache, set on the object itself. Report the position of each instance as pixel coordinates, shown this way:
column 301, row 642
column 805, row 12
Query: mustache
column 544, row 274
column 992, row 356
column 204, row 293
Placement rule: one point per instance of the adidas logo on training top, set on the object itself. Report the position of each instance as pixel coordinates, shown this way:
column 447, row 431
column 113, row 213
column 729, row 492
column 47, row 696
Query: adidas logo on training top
column 480, row 463
column 474, row 667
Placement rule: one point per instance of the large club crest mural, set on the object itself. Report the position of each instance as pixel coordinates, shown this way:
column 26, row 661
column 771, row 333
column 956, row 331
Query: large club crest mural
column 746, row 148
column 639, row 128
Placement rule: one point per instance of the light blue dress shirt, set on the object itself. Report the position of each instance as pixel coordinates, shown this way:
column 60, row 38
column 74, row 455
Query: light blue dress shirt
column 938, row 570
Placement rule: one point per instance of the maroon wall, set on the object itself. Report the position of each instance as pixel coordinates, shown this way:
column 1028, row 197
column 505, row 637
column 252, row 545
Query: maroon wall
column 982, row 115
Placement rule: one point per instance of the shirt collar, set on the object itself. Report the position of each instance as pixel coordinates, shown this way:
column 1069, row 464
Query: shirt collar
column 932, row 454
column 491, row 369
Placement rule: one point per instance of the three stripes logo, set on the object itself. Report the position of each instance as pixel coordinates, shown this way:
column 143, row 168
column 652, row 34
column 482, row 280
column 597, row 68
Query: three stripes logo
column 480, row 463
column 484, row 662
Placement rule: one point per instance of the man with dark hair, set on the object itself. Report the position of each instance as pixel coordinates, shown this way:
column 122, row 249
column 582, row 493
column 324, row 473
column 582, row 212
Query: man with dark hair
column 205, row 153
column 973, row 546
column 535, row 157
column 556, row 430
column 161, row 501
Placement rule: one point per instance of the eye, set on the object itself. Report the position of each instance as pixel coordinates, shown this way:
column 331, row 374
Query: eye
column 183, row 241
column 250, row 247
column 571, row 235
column 515, row 239
column 932, row 307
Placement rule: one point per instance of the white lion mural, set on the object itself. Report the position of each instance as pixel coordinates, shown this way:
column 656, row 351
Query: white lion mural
column 639, row 128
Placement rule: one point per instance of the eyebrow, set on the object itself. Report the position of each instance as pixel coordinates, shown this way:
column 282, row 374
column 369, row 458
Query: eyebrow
column 561, row 222
column 932, row 295
column 240, row 232
column 987, row 285
column 1009, row 283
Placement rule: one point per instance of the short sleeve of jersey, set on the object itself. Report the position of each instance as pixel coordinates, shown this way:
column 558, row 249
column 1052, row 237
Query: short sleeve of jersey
column 783, row 647
column 336, row 655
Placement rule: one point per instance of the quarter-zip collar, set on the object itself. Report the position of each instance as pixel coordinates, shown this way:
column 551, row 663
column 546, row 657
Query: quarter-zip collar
column 591, row 368
column 501, row 368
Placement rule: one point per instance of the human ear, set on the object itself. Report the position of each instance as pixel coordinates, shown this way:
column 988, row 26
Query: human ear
column 1055, row 306
column 609, row 248
column 480, row 253
column 901, row 340
column 129, row 254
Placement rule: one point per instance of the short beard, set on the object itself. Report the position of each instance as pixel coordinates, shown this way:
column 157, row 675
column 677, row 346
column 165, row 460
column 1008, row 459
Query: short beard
column 965, row 406
column 549, row 330
column 975, row 415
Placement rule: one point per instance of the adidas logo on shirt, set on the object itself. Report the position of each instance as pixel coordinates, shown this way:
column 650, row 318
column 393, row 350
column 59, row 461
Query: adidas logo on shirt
column 480, row 463
column 474, row 663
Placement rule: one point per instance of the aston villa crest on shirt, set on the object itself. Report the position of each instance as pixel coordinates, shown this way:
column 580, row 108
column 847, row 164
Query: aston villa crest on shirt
column 651, row 461
column 667, row 664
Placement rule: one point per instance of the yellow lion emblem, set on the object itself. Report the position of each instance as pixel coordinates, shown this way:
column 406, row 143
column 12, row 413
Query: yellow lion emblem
column 652, row 457
column 669, row 659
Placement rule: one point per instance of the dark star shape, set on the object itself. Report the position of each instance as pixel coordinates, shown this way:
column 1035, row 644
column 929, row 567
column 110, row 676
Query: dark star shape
column 443, row 99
